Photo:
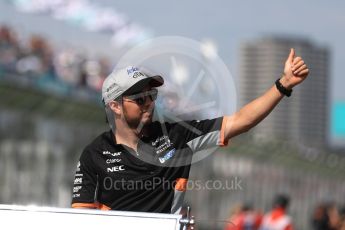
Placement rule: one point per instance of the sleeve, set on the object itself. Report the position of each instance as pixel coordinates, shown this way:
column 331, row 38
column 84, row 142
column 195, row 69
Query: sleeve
column 85, row 183
column 201, row 134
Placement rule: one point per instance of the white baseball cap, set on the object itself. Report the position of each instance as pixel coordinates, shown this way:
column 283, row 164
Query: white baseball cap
column 123, row 80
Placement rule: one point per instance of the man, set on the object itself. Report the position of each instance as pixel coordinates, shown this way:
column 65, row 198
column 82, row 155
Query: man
column 277, row 219
column 140, row 165
column 245, row 218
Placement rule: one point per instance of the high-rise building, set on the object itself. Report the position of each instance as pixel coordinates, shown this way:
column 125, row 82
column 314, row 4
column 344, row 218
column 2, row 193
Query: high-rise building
column 302, row 117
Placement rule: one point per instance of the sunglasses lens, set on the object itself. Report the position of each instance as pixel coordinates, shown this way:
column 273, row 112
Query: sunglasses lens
column 140, row 100
column 144, row 96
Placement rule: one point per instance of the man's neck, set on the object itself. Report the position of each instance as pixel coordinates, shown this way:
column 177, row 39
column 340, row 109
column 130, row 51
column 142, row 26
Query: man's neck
column 129, row 137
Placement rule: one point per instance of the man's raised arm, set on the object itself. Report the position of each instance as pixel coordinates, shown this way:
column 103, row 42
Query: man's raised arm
column 295, row 71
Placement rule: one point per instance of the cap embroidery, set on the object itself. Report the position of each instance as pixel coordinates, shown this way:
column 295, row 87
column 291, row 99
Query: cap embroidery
column 131, row 70
column 138, row 74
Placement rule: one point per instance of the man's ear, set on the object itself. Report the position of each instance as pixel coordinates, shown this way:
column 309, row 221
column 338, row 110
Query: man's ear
column 116, row 107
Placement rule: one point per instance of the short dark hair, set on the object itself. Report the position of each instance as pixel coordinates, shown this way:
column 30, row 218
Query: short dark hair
column 281, row 200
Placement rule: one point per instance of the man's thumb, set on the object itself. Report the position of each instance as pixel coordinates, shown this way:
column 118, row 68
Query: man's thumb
column 291, row 55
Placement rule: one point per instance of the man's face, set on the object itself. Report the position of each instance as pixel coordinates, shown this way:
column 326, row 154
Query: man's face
column 138, row 108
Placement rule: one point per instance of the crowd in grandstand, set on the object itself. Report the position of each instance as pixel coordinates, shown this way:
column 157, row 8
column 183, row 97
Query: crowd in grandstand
column 36, row 58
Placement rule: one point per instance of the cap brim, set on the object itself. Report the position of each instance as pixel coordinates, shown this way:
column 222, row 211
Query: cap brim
column 154, row 81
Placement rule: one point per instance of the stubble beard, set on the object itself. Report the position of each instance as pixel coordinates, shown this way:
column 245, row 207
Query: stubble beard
column 135, row 123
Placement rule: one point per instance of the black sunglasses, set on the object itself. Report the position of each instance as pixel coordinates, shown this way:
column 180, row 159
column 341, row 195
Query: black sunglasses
column 140, row 98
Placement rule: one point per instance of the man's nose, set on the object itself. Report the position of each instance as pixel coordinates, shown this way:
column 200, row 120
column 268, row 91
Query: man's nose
column 148, row 101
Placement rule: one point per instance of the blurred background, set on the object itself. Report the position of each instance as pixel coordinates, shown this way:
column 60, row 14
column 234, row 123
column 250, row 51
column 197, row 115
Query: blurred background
column 54, row 56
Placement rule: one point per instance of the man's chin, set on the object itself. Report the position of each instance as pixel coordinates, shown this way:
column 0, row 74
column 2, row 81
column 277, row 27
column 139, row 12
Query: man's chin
column 147, row 115
column 147, row 119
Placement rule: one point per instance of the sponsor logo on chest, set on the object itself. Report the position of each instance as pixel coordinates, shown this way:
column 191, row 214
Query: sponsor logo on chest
column 167, row 156
column 116, row 154
column 161, row 144
column 113, row 161
column 117, row 168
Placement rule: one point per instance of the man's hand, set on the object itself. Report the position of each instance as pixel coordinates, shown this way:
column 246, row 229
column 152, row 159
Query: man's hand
column 295, row 71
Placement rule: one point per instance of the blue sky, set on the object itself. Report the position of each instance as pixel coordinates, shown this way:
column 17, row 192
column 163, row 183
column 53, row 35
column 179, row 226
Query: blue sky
column 228, row 23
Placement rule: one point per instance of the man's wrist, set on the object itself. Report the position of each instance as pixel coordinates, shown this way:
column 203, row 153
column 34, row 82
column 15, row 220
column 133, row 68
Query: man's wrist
column 282, row 89
column 285, row 82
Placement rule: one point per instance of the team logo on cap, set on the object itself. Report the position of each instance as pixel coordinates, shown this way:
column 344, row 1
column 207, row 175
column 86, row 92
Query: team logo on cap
column 134, row 72
column 132, row 69
column 111, row 87
column 138, row 74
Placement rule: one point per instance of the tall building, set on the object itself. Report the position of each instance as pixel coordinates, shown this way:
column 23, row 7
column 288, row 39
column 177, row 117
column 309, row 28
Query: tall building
column 302, row 117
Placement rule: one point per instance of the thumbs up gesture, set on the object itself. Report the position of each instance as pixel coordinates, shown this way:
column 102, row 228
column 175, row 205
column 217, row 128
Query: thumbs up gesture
column 295, row 71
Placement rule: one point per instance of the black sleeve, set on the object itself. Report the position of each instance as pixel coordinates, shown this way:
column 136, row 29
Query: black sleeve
column 85, row 183
column 200, row 134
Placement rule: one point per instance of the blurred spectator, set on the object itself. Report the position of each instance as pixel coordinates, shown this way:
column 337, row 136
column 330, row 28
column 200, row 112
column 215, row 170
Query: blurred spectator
column 244, row 217
column 37, row 59
column 334, row 217
column 320, row 219
column 9, row 50
column 277, row 219
column 342, row 218
column 106, row 68
column 95, row 73
column 326, row 217
column 68, row 65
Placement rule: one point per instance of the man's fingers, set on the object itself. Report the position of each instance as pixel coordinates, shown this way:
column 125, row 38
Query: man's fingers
column 297, row 65
column 291, row 55
column 296, row 60
column 303, row 72
column 302, row 67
